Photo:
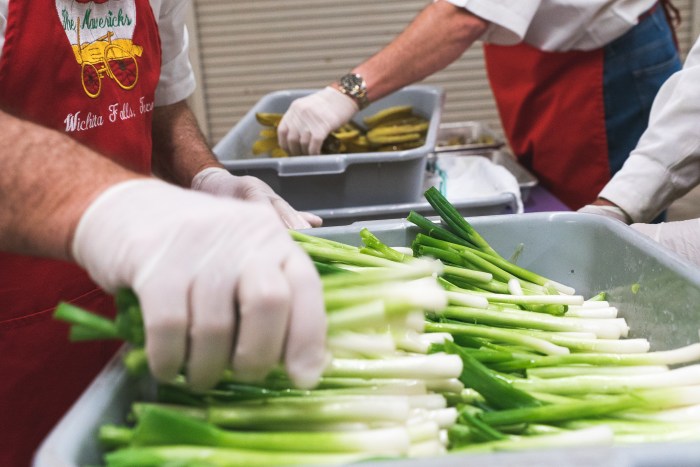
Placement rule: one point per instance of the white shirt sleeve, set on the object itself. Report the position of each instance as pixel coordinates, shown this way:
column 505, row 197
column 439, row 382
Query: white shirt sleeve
column 509, row 19
column 177, row 80
column 666, row 162
column 556, row 25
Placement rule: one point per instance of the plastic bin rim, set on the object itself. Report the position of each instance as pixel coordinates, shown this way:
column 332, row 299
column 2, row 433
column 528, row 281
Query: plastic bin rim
column 683, row 267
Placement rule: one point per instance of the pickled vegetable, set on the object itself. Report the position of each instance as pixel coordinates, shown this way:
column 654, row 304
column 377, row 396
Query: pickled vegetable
column 396, row 128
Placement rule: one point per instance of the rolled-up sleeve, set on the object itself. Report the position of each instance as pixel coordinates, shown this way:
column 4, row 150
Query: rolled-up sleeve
column 509, row 19
column 666, row 162
column 177, row 81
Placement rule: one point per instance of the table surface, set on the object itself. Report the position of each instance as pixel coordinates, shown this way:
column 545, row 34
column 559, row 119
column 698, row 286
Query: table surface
column 541, row 200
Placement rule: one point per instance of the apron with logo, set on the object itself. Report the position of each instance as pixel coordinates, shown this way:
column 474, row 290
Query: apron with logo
column 88, row 69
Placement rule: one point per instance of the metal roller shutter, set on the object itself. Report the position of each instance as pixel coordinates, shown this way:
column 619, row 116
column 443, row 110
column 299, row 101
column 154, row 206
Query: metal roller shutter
column 245, row 49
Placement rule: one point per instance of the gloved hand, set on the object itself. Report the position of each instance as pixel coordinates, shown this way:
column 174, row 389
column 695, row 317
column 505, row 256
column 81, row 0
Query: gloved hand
column 221, row 283
column 682, row 237
column 220, row 182
column 310, row 119
column 612, row 212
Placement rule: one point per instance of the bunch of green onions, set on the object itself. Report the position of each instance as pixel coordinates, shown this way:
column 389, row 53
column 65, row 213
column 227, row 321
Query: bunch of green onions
column 379, row 397
column 443, row 347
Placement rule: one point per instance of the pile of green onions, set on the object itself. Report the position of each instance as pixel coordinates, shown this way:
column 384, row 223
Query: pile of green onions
column 443, row 347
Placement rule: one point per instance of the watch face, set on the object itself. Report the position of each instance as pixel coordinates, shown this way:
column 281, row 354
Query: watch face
column 351, row 82
column 354, row 86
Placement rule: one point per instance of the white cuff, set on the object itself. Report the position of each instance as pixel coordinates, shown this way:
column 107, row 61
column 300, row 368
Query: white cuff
column 642, row 188
column 198, row 180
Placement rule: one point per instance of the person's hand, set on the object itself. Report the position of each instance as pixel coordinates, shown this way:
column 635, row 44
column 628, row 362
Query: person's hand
column 220, row 182
column 610, row 211
column 220, row 281
column 682, row 237
column 309, row 120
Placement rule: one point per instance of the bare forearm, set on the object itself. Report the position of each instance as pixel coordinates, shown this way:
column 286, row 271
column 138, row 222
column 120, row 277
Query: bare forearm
column 46, row 182
column 179, row 148
column 438, row 36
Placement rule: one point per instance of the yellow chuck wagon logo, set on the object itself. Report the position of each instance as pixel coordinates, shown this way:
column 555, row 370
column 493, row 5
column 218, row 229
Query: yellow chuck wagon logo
column 100, row 33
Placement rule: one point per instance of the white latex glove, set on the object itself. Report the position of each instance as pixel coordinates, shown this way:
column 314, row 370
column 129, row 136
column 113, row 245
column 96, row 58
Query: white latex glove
column 221, row 182
column 310, row 119
column 220, row 281
column 682, row 237
column 612, row 212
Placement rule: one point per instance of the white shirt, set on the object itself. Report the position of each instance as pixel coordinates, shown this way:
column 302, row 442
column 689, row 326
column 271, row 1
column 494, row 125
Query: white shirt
column 666, row 162
column 176, row 77
column 556, row 25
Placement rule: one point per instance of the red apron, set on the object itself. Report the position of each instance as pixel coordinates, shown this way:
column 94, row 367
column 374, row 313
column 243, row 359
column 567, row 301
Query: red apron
column 88, row 69
column 553, row 114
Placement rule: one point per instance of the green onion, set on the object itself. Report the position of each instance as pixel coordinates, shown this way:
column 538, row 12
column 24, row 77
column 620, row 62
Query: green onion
column 559, row 412
column 415, row 366
column 495, row 390
column 612, row 384
column 455, row 221
column 162, row 426
column 435, row 230
column 500, row 335
column 158, row 456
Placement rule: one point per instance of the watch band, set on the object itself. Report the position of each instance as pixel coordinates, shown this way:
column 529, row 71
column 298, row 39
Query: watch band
column 354, row 86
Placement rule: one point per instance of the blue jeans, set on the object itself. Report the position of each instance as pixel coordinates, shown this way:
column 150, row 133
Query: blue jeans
column 635, row 67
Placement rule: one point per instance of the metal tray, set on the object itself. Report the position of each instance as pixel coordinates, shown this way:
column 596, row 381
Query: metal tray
column 466, row 136
column 656, row 291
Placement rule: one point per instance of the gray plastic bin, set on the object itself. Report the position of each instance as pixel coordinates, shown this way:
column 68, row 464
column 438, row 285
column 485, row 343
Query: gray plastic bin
column 336, row 181
column 655, row 291
column 503, row 203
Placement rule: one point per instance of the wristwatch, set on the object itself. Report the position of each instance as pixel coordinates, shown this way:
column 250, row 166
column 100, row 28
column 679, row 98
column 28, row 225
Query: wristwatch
column 354, row 86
